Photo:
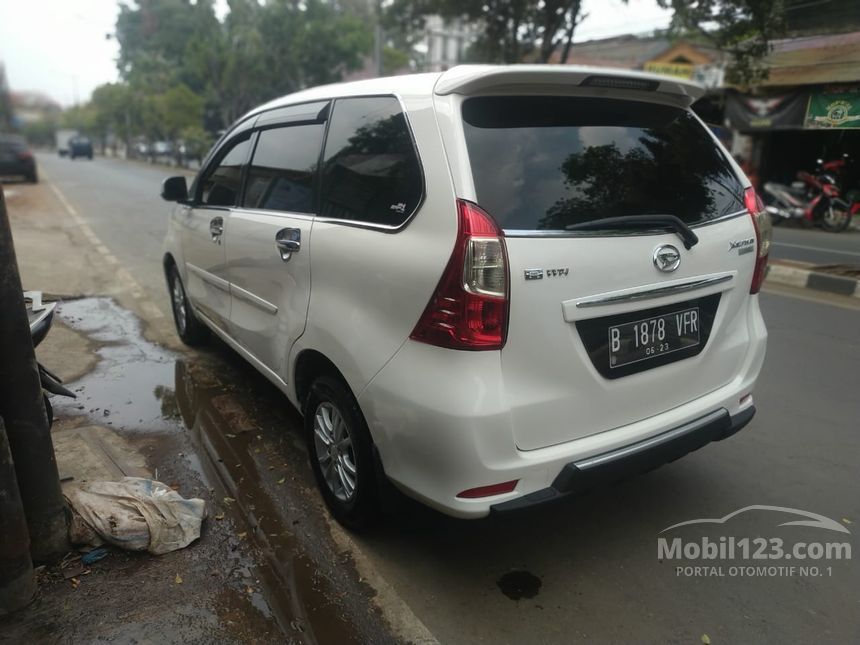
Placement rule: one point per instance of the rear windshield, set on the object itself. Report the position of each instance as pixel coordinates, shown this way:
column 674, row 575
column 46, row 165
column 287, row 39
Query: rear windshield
column 549, row 163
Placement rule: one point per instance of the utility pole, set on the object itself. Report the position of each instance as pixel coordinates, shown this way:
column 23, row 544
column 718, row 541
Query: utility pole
column 17, row 582
column 23, row 411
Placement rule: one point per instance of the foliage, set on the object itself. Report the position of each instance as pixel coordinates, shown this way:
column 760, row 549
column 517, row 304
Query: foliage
column 40, row 133
column 184, row 72
column 742, row 28
column 508, row 31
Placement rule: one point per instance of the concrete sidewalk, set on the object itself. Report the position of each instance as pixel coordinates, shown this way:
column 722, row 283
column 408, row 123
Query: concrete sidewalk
column 211, row 591
column 842, row 279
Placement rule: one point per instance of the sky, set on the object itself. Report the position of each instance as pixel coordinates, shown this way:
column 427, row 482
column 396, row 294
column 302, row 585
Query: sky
column 65, row 48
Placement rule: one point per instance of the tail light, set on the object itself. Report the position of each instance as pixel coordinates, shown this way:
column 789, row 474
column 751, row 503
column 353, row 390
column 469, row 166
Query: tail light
column 469, row 308
column 763, row 234
column 25, row 155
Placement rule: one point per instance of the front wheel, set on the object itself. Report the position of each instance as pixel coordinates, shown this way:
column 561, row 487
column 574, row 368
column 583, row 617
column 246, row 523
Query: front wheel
column 837, row 217
column 190, row 329
column 341, row 453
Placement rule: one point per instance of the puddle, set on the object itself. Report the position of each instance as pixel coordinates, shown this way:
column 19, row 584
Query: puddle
column 517, row 585
column 247, row 449
column 132, row 385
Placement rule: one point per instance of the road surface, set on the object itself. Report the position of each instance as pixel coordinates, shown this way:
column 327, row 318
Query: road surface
column 589, row 569
column 816, row 245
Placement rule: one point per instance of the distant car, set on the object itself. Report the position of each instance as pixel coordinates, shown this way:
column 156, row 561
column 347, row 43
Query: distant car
column 161, row 151
column 80, row 147
column 16, row 158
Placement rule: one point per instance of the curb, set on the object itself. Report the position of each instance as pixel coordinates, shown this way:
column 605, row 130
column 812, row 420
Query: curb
column 807, row 276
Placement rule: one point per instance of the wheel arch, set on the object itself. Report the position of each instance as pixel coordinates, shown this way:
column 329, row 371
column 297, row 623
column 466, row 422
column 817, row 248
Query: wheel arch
column 310, row 364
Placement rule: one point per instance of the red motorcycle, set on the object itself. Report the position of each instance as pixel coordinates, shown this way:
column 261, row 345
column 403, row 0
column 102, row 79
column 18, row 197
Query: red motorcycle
column 845, row 172
column 814, row 200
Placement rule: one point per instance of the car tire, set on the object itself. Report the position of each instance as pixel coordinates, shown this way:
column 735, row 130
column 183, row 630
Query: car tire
column 190, row 330
column 33, row 177
column 838, row 217
column 341, row 451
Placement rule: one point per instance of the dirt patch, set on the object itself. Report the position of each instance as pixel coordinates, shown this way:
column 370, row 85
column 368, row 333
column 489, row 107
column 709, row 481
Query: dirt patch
column 844, row 270
column 265, row 568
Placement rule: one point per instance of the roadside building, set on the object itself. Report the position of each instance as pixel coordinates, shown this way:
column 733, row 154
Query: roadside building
column 807, row 109
column 661, row 54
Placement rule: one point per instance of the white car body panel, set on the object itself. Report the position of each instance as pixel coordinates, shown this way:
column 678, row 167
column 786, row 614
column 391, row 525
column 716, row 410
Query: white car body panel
column 269, row 295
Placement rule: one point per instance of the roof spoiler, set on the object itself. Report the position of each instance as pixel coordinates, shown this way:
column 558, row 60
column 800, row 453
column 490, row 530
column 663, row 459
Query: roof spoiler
column 474, row 79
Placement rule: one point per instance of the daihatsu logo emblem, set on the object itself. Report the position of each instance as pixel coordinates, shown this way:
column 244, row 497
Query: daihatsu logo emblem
column 667, row 258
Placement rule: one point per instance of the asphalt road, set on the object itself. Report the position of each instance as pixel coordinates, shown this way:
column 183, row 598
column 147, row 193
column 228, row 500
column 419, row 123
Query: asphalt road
column 121, row 202
column 588, row 569
column 816, row 245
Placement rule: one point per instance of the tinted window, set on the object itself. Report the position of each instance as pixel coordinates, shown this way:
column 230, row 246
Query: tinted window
column 371, row 171
column 220, row 186
column 282, row 173
column 552, row 162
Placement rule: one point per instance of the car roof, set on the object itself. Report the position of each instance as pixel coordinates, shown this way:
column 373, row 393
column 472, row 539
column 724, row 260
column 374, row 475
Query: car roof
column 472, row 79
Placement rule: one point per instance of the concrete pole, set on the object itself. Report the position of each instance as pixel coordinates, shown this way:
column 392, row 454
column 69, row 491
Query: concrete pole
column 23, row 412
column 17, row 582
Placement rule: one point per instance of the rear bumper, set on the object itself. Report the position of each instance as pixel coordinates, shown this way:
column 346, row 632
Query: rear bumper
column 14, row 168
column 441, row 421
column 636, row 458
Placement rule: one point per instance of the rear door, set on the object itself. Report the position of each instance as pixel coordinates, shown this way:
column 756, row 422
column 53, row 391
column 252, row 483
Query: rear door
column 204, row 228
column 268, row 257
column 610, row 326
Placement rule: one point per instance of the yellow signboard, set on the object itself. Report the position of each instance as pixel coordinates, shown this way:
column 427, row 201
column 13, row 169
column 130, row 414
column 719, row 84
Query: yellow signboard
column 681, row 70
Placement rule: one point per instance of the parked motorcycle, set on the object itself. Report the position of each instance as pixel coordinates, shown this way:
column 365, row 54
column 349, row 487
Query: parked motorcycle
column 814, row 200
column 41, row 316
column 846, row 172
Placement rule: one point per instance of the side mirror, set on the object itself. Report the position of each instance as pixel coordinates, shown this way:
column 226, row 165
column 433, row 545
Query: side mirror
column 174, row 189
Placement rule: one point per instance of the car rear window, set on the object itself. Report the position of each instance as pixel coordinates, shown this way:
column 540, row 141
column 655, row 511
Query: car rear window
column 549, row 163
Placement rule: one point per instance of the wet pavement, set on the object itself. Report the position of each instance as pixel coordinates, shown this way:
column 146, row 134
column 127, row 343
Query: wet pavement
column 263, row 570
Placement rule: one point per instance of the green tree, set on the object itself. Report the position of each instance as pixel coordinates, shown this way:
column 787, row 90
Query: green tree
column 509, row 31
column 741, row 28
column 177, row 109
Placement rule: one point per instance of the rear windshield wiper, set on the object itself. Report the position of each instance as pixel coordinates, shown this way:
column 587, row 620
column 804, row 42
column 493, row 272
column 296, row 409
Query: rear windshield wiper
column 640, row 221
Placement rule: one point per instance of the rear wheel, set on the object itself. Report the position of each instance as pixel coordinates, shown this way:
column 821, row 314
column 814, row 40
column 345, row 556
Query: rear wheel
column 33, row 177
column 190, row 329
column 836, row 218
column 341, row 453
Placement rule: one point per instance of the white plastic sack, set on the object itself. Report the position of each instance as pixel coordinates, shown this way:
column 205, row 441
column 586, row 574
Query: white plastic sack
column 134, row 514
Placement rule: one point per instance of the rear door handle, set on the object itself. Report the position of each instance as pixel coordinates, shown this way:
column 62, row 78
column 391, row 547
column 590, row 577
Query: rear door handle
column 216, row 229
column 288, row 241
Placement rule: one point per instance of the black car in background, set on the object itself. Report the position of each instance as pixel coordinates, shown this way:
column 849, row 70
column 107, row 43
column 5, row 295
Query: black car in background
column 80, row 147
column 16, row 158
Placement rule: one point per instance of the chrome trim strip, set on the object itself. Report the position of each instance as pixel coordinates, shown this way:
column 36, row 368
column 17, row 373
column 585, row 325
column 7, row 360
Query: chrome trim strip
column 214, row 280
column 550, row 233
column 665, row 437
column 252, row 299
column 657, row 292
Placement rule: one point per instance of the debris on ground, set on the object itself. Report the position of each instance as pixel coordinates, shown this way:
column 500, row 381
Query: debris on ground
column 135, row 514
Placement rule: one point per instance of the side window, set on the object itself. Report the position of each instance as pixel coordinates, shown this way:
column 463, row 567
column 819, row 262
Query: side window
column 371, row 171
column 282, row 174
column 220, row 186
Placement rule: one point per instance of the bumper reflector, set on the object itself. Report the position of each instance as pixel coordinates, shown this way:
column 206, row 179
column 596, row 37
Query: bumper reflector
column 489, row 491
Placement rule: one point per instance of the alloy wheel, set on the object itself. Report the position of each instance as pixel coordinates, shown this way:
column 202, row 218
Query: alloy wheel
column 335, row 452
column 179, row 304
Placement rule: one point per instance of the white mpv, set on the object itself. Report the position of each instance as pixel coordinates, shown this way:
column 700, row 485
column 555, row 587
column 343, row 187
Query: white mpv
column 492, row 286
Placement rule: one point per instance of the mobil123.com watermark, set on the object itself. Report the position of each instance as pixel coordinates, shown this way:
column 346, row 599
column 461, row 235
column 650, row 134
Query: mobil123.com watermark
column 729, row 556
